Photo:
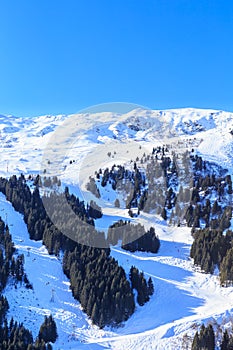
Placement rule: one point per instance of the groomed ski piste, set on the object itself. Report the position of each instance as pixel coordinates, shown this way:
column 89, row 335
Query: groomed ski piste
column 184, row 297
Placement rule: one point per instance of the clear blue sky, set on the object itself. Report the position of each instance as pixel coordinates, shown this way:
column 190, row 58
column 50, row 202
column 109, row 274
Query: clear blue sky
column 61, row 56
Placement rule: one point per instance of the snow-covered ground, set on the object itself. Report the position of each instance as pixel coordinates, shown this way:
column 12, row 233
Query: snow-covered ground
column 50, row 294
column 184, row 297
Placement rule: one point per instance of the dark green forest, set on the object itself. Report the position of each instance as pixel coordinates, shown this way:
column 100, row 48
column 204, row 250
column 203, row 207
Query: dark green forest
column 13, row 335
column 133, row 237
column 97, row 281
column 183, row 189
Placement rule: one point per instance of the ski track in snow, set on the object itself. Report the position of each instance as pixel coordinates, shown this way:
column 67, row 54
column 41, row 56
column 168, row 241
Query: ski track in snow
column 184, row 297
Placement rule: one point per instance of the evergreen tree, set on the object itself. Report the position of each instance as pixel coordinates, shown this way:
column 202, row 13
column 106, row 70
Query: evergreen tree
column 205, row 340
column 164, row 214
column 225, row 341
column 48, row 330
column 150, row 286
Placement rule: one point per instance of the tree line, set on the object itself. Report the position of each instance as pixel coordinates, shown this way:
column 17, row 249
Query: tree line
column 14, row 335
column 205, row 339
column 133, row 237
column 92, row 271
column 11, row 263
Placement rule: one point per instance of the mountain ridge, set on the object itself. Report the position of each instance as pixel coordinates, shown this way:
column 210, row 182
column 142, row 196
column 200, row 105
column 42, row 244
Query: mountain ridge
column 201, row 298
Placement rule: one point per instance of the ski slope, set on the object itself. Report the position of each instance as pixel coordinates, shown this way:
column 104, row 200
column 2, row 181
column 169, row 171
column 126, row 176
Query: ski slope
column 184, row 297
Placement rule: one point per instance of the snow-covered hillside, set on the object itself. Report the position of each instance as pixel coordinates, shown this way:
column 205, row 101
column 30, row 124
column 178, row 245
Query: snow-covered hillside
column 184, row 297
column 22, row 140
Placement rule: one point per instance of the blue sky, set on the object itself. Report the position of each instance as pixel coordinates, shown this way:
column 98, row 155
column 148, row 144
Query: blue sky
column 61, row 56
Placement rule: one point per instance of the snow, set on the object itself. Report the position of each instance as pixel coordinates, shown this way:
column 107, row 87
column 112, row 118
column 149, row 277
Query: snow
column 184, row 297
column 45, row 273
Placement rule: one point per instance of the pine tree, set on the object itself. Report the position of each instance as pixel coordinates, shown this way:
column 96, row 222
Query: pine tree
column 226, row 268
column 95, row 314
column 210, row 337
column 150, row 286
column 196, row 342
column 205, row 339
column 225, row 341
column 117, row 203
column 48, row 330
column 164, row 214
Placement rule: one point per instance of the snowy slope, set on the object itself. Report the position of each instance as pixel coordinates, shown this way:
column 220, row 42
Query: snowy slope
column 22, row 140
column 50, row 294
column 184, row 297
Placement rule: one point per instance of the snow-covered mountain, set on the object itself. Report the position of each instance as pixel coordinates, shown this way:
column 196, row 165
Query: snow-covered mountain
column 22, row 140
column 184, row 297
